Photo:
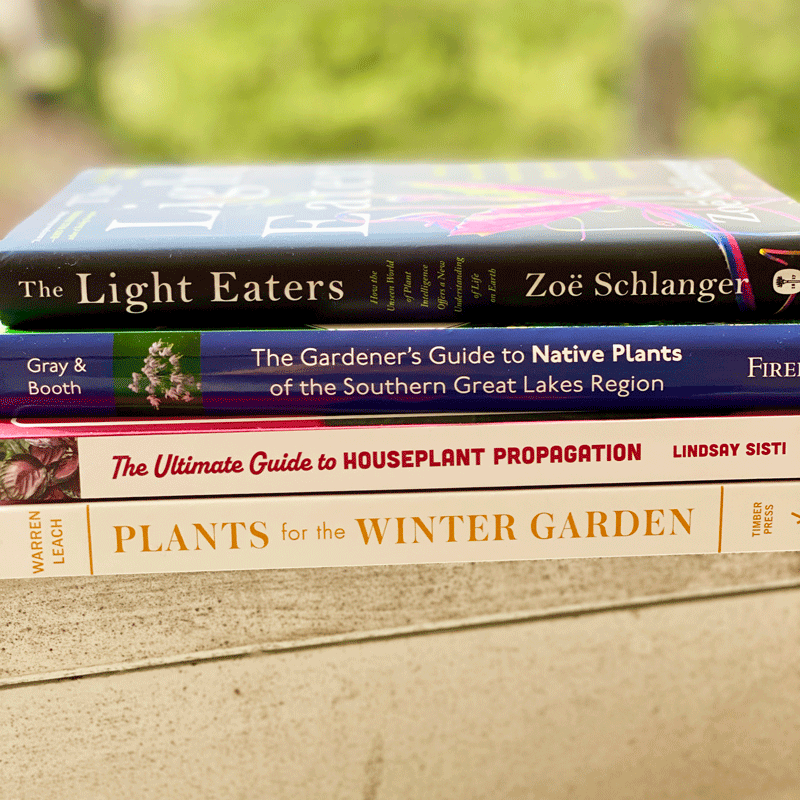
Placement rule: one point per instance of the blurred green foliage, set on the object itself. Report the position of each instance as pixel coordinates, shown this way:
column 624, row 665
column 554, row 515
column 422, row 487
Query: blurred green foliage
column 374, row 78
column 307, row 79
column 747, row 87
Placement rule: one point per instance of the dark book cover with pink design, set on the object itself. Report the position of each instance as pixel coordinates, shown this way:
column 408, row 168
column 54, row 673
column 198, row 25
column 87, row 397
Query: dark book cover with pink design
column 483, row 244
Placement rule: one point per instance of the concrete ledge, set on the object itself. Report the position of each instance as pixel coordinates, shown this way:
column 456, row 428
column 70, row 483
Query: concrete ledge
column 70, row 625
column 674, row 701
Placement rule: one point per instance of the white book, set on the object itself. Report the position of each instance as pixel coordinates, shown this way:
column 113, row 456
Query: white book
column 70, row 460
column 293, row 531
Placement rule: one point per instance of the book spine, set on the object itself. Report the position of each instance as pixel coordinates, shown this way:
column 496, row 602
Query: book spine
column 470, row 243
column 251, row 533
column 318, row 372
column 479, row 284
column 399, row 457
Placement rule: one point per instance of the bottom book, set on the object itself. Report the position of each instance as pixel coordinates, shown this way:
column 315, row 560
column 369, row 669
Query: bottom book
column 284, row 532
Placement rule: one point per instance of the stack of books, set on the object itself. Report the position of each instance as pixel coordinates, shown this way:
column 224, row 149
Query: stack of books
column 221, row 368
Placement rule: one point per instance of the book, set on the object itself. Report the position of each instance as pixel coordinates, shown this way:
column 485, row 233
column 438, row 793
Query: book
column 627, row 368
column 282, row 246
column 289, row 532
column 73, row 460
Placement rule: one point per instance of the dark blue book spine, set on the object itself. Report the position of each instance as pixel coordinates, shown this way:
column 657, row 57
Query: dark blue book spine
column 317, row 372
column 481, row 244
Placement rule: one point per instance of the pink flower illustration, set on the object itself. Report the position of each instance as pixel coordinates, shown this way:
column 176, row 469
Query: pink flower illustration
column 162, row 378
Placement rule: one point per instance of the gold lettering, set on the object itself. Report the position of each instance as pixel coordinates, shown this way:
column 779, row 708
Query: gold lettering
column 687, row 524
column 452, row 526
column 634, row 522
column 119, row 529
column 260, row 534
column 176, row 537
column 650, row 515
column 234, row 539
column 474, row 527
column 499, row 526
column 374, row 528
column 146, row 541
column 211, row 538
column 418, row 523
column 601, row 525
column 548, row 528
column 570, row 523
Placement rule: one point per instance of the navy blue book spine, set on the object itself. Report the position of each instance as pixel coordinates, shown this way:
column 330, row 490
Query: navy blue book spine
column 481, row 244
column 658, row 368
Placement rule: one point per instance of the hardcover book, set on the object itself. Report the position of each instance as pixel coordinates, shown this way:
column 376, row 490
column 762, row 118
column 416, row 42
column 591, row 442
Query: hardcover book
column 72, row 460
column 279, row 246
column 191, row 535
column 621, row 369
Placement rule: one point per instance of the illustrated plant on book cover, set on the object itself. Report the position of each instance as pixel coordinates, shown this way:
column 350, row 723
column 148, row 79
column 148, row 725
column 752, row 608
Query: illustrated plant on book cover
column 45, row 470
column 162, row 379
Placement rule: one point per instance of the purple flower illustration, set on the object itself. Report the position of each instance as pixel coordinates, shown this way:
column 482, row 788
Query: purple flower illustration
column 162, row 379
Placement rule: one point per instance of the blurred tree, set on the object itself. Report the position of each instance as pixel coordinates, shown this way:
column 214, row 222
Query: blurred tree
column 746, row 87
column 85, row 27
column 374, row 78
column 41, row 64
column 661, row 38
column 306, row 79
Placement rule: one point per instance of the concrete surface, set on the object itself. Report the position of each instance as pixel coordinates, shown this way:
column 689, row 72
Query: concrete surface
column 52, row 626
column 695, row 699
column 657, row 678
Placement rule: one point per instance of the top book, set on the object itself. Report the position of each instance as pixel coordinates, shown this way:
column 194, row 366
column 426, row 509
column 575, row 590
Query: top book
column 484, row 244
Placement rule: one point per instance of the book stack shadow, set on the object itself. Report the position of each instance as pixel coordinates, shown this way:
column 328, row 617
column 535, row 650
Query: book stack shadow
column 258, row 368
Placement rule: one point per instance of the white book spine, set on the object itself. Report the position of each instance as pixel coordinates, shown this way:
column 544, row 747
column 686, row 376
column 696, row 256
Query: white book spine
column 443, row 456
column 188, row 535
